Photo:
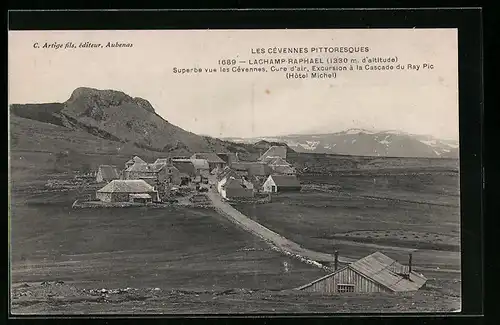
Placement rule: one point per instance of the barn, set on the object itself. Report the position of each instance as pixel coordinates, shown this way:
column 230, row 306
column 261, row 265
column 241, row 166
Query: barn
column 281, row 183
column 125, row 190
column 373, row 273
column 107, row 173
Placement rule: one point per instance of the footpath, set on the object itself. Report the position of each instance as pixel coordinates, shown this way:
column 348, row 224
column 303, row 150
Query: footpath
column 279, row 242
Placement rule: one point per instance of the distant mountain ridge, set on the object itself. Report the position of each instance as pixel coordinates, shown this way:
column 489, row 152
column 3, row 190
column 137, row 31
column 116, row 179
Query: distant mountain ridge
column 360, row 142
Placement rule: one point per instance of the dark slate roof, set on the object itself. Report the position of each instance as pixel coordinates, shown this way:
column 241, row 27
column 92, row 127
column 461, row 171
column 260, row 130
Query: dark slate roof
column 384, row 271
column 127, row 186
column 285, row 181
column 254, row 168
column 259, row 169
column 233, row 183
column 211, row 157
column 108, row 172
column 185, row 167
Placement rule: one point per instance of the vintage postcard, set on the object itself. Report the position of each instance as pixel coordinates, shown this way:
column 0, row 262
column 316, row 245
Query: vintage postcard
column 234, row 171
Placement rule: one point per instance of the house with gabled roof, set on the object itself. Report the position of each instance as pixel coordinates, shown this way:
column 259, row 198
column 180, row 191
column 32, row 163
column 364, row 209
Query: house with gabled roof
column 281, row 183
column 124, row 191
column 107, row 173
column 187, row 171
column 373, row 273
column 145, row 170
column 134, row 160
column 234, row 187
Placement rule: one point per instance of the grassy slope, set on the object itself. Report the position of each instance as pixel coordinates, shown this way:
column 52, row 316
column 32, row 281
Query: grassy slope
column 177, row 248
column 35, row 145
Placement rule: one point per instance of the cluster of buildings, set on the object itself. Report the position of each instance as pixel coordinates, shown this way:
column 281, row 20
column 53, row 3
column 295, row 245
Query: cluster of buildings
column 271, row 173
column 139, row 181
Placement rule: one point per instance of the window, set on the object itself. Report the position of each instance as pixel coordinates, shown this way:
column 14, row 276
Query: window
column 345, row 288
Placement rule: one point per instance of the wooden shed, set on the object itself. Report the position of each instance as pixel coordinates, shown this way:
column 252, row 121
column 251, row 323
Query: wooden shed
column 373, row 273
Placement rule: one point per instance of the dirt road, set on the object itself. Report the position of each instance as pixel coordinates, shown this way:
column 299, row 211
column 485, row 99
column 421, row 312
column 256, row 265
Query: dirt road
column 266, row 234
column 280, row 242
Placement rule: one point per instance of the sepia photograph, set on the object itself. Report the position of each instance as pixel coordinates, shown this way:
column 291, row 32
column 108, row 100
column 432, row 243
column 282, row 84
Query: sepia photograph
column 231, row 171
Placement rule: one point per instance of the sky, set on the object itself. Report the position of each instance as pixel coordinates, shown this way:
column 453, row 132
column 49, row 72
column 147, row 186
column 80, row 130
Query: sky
column 251, row 104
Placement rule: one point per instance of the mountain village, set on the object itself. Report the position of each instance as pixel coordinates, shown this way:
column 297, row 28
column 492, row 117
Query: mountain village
column 140, row 182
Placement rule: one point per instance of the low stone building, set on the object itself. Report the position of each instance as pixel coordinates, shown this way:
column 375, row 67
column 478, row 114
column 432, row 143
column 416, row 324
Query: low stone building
column 121, row 191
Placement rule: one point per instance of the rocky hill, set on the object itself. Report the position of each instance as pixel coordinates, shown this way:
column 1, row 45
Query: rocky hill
column 115, row 116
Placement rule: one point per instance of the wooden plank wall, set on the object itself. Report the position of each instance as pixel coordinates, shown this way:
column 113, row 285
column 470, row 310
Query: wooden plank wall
column 347, row 276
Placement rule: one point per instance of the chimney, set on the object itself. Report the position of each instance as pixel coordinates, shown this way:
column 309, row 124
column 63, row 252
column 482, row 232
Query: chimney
column 409, row 263
column 336, row 261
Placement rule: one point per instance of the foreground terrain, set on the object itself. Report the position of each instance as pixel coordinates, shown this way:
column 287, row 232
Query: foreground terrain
column 192, row 260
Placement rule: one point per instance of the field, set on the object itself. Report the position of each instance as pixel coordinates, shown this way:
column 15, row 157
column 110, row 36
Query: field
column 192, row 260
column 178, row 248
column 357, row 215
column 201, row 263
